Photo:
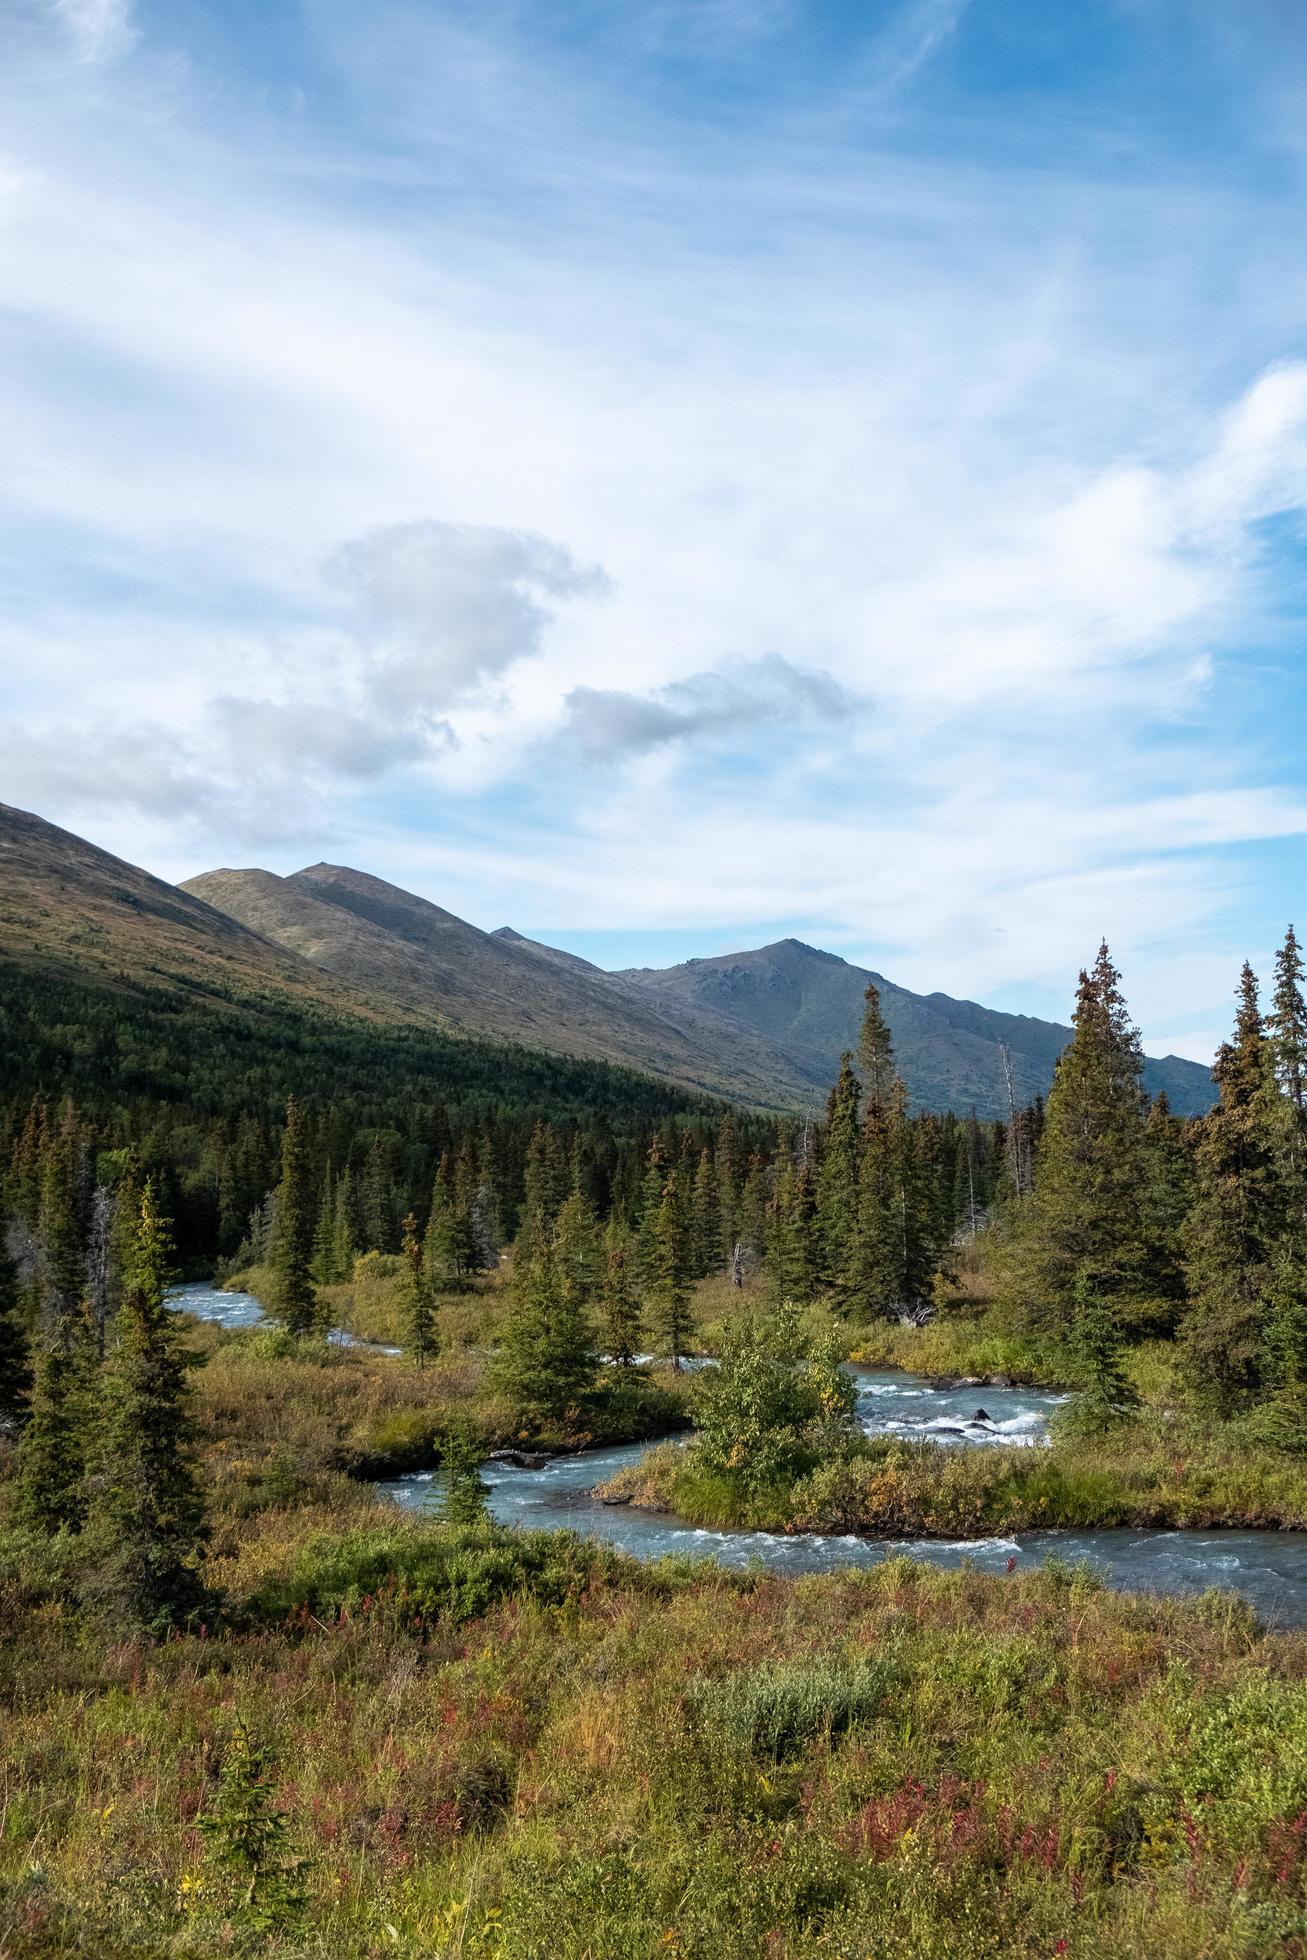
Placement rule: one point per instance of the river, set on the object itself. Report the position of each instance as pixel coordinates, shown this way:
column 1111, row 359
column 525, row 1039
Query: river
column 1268, row 1567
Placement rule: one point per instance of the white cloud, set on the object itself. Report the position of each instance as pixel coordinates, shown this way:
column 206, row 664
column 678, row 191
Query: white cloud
column 446, row 607
column 962, row 436
column 610, row 724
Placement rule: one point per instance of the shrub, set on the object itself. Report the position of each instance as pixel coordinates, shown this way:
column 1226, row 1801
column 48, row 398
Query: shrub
column 773, row 1713
column 425, row 1573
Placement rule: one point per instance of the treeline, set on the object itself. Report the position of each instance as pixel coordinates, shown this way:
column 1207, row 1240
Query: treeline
column 1140, row 1225
column 195, row 1081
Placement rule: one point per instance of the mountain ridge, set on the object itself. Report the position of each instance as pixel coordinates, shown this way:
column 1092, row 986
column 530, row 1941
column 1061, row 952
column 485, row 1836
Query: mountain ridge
column 763, row 1027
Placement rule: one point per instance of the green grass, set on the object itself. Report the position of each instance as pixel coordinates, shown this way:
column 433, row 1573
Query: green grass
column 1173, row 1479
column 491, row 1746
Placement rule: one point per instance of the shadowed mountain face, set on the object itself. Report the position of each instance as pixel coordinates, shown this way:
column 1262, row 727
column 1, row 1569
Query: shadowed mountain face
column 810, row 1005
column 764, row 1028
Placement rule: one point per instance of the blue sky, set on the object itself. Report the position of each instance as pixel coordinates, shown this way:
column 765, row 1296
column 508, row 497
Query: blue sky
column 672, row 475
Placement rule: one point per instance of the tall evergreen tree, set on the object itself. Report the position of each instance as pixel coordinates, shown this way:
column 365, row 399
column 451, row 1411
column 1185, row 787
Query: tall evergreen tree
column 344, row 1231
column 1108, row 1396
column 1088, row 1213
column 147, row 1504
column 837, row 1180
column 794, row 1257
column 546, row 1362
column 323, row 1266
column 1237, row 1227
column 419, row 1315
column 60, row 1236
column 1286, row 1024
column 546, row 1184
column 51, row 1480
column 576, row 1247
column 897, row 1241
column 15, row 1359
column 876, row 1051
column 706, row 1212
column 657, row 1171
column 670, row 1291
column 449, row 1249
column 379, row 1217
column 619, row 1300
column 290, row 1250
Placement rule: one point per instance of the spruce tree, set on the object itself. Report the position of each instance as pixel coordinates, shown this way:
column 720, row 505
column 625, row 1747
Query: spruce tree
column 1088, row 1211
column 290, row 1251
column 751, row 1215
column 323, row 1265
column 246, row 1839
column 879, row 1267
column 344, row 1241
column 546, row 1184
column 147, row 1508
column 1108, row 1396
column 1286, row 1025
column 60, row 1238
column 619, row 1300
column 448, row 1252
column 50, row 1488
column 657, row 1170
column 1168, row 1197
column 546, row 1362
column 1237, row 1228
column 377, row 1195
column 576, row 1247
column 837, row 1179
column 419, row 1307
column 670, row 1291
column 466, row 1492
column 15, row 1358
column 726, row 1162
column 876, row 1051
column 705, row 1205
column 794, row 1261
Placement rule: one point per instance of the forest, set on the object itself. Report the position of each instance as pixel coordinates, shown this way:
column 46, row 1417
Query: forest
column 253, row 1706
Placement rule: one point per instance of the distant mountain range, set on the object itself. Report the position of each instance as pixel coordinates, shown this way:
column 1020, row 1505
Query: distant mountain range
column 764, row 1028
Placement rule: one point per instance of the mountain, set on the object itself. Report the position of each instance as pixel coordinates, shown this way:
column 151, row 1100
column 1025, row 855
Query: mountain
column 119, row 990
column 330, row 945
column 425, row 964
column 949, row 1052
column 69, row 909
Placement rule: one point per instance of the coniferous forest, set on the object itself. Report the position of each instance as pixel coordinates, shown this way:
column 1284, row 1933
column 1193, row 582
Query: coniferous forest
column 255, row 1705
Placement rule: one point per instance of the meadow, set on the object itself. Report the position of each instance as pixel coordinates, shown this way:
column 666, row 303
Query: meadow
column 401, row 1739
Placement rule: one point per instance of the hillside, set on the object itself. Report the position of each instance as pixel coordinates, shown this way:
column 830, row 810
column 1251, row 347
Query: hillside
column 810, row 1005
column 428, row 965
column 118, row 989
column 69, row 909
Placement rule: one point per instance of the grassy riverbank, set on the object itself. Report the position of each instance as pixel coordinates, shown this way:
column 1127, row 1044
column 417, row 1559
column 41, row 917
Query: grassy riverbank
column 276, row 1413
column 485, row 1745
column 893, row 1488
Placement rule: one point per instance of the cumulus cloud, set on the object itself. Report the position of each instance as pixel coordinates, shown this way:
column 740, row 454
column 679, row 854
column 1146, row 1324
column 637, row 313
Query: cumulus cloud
column 443, row 608
column 612, row 723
